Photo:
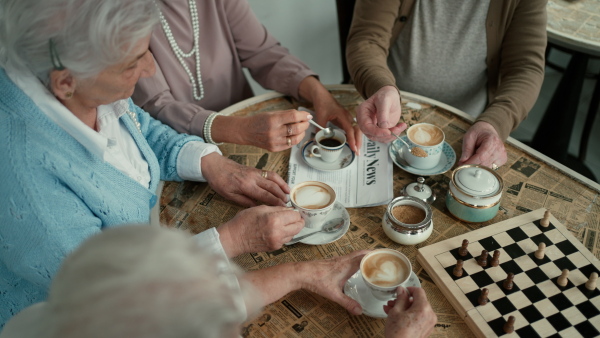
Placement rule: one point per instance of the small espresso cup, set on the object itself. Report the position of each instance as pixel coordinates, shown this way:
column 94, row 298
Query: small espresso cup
column 429, row 138
column 328, row 149
column 383, row 271
column 314, row 200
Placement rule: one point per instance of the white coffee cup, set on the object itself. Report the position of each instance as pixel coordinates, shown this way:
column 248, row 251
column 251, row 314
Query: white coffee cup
column 383, row 271
column 328, row 149
column 428, row 137
column 314, row 200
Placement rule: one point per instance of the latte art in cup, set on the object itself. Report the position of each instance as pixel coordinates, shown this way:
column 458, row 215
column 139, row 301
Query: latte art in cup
column 385, row 269
column 425, row 134
column 312, row 197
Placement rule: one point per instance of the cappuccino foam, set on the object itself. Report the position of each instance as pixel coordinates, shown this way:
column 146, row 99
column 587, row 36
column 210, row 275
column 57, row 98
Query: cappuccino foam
column 385, row 269
column 425, row 135
column 312, row 197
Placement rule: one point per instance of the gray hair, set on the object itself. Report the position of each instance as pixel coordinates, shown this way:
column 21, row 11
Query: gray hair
column 143, row 281
column 89, row 35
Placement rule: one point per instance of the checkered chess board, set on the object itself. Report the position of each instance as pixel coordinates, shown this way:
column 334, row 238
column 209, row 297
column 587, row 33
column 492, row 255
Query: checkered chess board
column 540, row 306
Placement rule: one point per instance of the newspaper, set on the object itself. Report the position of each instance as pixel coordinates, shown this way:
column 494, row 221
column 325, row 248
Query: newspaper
column 366, row 181
column 530, row 182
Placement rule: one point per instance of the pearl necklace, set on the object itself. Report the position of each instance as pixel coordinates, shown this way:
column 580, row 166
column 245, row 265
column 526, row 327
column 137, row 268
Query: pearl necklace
column 197, row 89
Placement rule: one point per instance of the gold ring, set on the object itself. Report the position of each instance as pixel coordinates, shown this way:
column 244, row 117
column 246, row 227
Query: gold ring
column 264, row 174
column 494, row 166
column 289, row 130
column 289, row 141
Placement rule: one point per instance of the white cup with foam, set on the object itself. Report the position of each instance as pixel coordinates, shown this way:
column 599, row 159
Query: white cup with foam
column 429, row 138
column 314, row 200
column 383, row 271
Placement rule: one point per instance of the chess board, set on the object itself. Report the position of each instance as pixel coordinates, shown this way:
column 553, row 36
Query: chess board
column 541, row 308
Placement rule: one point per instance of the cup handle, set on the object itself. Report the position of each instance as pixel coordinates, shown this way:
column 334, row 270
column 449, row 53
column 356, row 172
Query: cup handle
column 314, row 150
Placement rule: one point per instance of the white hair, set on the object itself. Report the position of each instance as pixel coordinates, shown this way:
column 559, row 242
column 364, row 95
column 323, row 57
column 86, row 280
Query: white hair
column 89, row 35
column 142, row 281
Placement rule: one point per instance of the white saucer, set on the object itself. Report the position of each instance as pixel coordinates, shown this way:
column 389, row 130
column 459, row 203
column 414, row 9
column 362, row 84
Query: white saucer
column 346, row 158
column 356, row 289
column 446, row 160
column 338, row 211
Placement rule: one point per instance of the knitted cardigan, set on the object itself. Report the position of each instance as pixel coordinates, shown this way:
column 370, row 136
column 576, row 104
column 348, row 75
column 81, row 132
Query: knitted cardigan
column 55, row 193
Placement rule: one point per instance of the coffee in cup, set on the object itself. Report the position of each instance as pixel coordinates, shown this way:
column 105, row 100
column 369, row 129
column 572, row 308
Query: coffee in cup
column 314, row 200
column 429, row 140
column 329, row 148
column 383, row 270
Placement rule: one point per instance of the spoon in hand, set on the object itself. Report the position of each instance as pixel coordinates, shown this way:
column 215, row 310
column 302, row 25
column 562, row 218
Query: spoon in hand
column 329, row 227
column 414, row 150
column 327, row 132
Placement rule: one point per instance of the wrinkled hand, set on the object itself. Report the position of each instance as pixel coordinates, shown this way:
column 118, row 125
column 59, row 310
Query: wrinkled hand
column 272, row 130
column 259, row 229
column 334, row 112
column 242, row 184
column 327, row 278
column 482, row 145
column 406, row 318
column 379, row 114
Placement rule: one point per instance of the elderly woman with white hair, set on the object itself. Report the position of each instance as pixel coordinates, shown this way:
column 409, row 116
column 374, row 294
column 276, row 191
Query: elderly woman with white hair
column 120, row 284
column 78, row 156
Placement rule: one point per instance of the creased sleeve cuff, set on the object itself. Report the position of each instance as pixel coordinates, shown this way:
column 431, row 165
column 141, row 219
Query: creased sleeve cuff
column 189, row 161
column 209, row 241
column 499, row 120
column 294, row 86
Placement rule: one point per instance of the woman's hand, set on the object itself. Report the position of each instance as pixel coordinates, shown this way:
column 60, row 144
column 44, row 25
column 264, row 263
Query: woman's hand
column 242, row 184
column 259, row 229
column 412, row 318
column 273, row 131
column 327, row 278
column 378, row 116
column 482, row 145
column 332, row 111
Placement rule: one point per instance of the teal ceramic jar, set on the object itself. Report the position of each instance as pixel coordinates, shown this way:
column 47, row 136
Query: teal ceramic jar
column 474, row 193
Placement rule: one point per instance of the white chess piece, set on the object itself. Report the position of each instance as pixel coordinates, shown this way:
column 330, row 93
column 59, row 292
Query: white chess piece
column 540, row 253
column 563, row 280
column 545, row 221
column 591, row 283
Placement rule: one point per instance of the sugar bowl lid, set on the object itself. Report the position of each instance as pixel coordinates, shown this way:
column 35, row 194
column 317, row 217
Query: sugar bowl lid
column 477, row 180
column 419, row 190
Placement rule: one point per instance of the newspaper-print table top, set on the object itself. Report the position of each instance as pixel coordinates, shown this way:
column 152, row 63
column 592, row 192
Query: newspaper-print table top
column 575, row 23
column 531, row 181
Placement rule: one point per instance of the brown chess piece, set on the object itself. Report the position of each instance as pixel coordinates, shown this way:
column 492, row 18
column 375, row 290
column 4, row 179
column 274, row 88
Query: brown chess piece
column 482, row 260
column 545, row 221
column 458, row 269
column 496, row 258
column 540, row 252
column 483, row 297
column 563, row 279
column 509, row 326
column 508, row 283
column 463, row 249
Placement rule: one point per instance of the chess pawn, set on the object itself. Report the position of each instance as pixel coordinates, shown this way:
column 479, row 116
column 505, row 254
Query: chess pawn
column 545, row 221
column 458, row 269
column 509, row 326
column 562, row 281
column 540, row 252
column 508, row 283
column 463, row 249
column 496, row 258
column 482, row 260
column 483, row 297
column 591, row 283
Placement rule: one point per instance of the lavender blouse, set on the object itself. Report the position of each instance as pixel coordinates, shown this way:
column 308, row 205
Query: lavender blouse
column 231, row 38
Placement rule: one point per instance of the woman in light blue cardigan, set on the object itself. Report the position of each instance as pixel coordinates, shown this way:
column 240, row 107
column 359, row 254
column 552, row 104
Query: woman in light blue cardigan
column 78, row 156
